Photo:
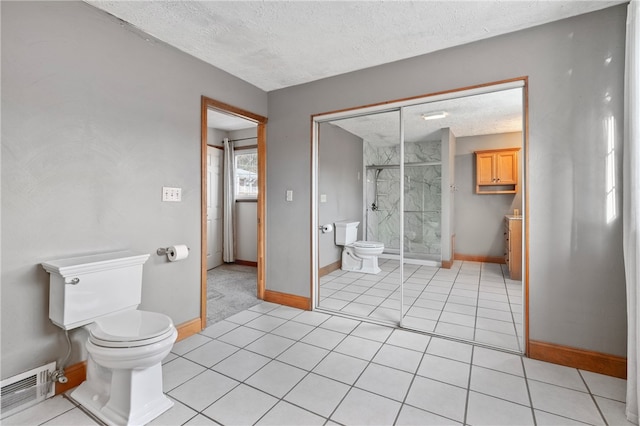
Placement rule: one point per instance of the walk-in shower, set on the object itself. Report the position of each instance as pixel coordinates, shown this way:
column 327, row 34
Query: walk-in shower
column 374, row 206
column 422, row 199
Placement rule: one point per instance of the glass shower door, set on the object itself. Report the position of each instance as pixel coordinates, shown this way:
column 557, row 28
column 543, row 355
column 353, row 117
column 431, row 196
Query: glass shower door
column 422, row 301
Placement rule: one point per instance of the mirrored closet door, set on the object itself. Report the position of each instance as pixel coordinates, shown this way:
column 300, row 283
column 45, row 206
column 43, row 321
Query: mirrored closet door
column 358, row 193
column 408, row 232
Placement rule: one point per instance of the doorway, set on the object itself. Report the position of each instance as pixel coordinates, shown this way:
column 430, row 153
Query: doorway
column 408, row 199
column 232, row 251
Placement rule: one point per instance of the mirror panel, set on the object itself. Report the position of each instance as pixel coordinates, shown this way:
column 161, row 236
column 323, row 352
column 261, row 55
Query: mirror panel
column 358, row 194
column 424, row 150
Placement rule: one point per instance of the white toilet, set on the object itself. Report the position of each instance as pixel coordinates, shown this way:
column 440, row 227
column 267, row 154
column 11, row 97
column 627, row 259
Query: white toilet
column 125, row 346
column 357, row 256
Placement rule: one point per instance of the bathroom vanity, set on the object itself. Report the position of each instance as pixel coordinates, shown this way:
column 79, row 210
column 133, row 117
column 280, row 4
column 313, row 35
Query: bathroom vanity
column 513, row 245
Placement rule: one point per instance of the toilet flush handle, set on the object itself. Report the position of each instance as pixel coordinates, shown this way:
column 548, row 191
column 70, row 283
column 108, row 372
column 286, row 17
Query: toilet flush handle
column 74, row 281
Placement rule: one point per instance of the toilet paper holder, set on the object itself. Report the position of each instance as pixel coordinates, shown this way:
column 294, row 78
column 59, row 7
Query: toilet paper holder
column 162, row 251
column 326, row 228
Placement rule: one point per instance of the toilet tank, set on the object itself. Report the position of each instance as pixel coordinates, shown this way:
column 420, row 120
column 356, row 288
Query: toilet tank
column 82, row 289
column 346, row 232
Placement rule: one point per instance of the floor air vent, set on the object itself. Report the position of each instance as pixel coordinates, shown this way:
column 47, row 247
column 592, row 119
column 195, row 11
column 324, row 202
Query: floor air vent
column 26, row 389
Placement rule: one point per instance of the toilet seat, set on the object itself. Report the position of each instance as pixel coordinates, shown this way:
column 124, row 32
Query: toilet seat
column 368, row 244
column 131, row 329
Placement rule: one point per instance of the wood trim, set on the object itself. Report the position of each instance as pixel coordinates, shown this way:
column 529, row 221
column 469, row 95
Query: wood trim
column 410, row 98
column 76, row 374
column 525, row 178
column 598, row 362
column 211, row 103
column 486, row 151
column 446, row 264
column 286, row 299
column 240, row 148
column 487, row 189
column 206, row 104
column 189, row 328
column 245, row 262
column 314, row 291
column 329, row 268
column 473, row 258
column 261, row 208
column 203, row 212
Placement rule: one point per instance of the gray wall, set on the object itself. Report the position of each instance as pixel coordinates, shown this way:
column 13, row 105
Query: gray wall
column 246, row 212
column 577, row 290
column 480, row 217
column 96, row 119
column 340, row 163
column 251, row 132
column 247, row 231
column 215, row 137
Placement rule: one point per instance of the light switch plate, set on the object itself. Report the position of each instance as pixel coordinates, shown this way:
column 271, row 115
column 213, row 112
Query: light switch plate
column 323, row 198
column 171, row 194
column 289, row 196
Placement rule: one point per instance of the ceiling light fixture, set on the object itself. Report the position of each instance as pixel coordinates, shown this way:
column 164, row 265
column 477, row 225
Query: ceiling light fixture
column 434, row 115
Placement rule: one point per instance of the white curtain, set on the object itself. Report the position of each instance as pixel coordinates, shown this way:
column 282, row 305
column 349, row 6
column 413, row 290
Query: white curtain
column 229, row 194
column 631, row 204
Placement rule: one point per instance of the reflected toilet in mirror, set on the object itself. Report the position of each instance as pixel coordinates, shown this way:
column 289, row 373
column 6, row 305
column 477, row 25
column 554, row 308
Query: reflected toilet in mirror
column 357, row 256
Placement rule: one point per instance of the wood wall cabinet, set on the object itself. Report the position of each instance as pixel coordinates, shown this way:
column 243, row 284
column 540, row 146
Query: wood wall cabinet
column 497, row 171
column 513, row 246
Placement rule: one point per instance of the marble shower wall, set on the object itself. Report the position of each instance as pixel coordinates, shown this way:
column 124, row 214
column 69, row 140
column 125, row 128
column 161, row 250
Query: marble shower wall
column 422, row 197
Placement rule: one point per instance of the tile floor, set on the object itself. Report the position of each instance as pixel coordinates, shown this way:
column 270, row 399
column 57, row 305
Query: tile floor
column 275, row 365
column 471, row 301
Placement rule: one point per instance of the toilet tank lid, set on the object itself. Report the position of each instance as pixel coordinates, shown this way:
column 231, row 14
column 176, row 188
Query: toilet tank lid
column 94, row 263
column 347, row 223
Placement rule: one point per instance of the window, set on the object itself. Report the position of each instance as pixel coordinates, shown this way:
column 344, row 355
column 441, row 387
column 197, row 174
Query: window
column 247, row 174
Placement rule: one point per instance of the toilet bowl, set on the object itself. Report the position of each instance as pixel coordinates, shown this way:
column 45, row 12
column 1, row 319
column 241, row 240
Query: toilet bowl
column 362, row 256
column 125, row 346
column 357, row 256
column 125, row 353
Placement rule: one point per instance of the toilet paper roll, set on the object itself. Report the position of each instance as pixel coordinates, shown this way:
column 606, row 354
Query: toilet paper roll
column 177, row 252
column 327, row 228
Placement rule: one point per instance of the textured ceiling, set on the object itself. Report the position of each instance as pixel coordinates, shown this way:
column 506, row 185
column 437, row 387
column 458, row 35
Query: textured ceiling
column 483, row 114
column 276, row 44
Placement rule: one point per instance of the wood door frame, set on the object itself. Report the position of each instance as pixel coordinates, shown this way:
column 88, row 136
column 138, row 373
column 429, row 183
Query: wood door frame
column 206, row 104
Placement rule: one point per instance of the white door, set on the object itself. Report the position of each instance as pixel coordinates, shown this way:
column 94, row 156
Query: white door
column 214, row 207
